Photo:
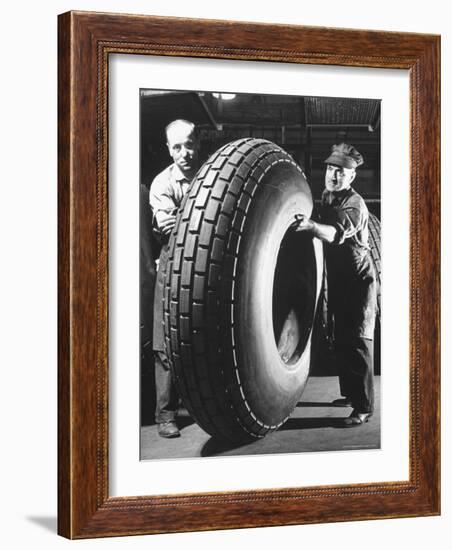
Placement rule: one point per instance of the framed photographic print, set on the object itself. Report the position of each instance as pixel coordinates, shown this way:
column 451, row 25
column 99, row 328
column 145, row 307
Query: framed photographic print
column 248, row 275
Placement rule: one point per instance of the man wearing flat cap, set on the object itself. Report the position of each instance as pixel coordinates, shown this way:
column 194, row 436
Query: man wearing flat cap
column 343, row 228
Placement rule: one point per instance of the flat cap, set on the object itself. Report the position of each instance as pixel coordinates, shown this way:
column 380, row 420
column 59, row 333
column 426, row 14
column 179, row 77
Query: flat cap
column 345, row 155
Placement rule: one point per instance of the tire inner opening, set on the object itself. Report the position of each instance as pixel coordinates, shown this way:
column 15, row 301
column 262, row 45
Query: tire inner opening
column 294, row 295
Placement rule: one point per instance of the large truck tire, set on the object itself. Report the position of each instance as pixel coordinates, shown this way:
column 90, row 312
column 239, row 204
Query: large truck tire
column 241, row 290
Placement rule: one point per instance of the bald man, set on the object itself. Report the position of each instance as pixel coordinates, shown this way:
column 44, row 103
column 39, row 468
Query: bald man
column 165, row 196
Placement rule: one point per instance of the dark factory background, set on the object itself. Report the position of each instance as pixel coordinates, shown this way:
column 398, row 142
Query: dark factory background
column 306, row 127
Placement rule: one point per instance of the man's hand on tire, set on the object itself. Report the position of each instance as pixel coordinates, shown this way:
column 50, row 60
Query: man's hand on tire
column 166, row 222
column 302, row 223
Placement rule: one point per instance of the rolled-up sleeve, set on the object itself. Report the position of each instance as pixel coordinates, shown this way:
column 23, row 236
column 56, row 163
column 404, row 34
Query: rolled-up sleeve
column 161, row 196
column 350, row 220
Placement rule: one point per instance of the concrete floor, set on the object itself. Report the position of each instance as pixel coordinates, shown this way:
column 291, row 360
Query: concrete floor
column 315, row 425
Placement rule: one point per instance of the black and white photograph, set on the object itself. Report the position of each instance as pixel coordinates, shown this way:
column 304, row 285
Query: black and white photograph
column 260, row 269
column 224, row 236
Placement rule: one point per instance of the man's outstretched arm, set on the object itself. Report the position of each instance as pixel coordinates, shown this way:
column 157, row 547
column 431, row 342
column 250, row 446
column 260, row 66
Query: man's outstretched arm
column 326, row 233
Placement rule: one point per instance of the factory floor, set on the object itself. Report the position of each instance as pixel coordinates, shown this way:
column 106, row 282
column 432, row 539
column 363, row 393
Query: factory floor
column 315, row 425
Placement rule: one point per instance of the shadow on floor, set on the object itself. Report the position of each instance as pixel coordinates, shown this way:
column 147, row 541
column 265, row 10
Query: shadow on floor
column 312, row 423
column 213, row 447
column 184, row 421
column 316, row 404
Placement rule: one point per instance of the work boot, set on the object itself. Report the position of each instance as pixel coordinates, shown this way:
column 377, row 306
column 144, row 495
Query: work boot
column 168, row 429
column 356, row 419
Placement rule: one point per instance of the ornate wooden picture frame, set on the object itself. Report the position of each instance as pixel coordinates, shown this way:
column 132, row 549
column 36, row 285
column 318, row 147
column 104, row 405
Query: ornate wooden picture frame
column 86, row 40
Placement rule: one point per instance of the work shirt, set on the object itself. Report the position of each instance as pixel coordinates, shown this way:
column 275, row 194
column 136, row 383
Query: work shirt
column 167, row 191
column 350, row 271
column 347, row 211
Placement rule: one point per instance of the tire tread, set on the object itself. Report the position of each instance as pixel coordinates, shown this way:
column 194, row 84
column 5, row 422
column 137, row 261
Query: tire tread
column 204, row 251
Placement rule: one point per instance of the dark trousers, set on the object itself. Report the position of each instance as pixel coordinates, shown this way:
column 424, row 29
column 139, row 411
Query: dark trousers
column 355, row 369
column 167, row 398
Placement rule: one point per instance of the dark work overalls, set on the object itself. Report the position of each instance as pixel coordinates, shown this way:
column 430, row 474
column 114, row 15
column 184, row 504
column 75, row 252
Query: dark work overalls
column 351, row 294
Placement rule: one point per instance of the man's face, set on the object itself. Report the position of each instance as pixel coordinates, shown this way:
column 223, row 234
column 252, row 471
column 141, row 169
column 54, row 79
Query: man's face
column 338, row 178
column 183, row 147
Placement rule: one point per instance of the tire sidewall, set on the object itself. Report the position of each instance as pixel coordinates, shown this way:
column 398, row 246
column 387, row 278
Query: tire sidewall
column 272, row 388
